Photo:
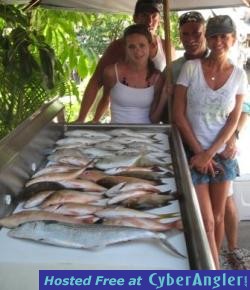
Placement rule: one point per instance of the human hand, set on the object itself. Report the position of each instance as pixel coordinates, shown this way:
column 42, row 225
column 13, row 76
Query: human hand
column 202, row 162
column 230, row 150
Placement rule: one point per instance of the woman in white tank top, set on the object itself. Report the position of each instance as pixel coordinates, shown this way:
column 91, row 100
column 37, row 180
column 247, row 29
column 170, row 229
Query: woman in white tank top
column 134, row 83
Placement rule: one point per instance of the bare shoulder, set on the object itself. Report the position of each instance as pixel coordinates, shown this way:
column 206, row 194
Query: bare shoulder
column 114, row 52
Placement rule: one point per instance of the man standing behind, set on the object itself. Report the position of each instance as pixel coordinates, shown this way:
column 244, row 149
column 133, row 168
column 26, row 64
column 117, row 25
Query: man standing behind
column 192, row 35
column 146, row 12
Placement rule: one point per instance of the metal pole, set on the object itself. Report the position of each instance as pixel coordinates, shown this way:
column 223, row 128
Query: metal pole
column 166, row 18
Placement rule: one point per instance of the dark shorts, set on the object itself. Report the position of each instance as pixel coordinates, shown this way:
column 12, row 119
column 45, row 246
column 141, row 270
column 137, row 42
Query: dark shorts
column 230, row 171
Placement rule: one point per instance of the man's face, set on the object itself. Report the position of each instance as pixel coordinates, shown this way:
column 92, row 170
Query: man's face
column 149, row 18
column 192, row 35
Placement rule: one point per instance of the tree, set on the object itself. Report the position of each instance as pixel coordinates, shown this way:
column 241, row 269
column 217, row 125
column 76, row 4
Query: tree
column 27, row 68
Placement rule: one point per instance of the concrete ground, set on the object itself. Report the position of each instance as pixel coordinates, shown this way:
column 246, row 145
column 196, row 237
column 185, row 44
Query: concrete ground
column 240, row 260
column 244, row 235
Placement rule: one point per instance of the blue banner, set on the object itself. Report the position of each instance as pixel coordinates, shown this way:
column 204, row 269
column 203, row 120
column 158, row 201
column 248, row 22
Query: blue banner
column 142, row 280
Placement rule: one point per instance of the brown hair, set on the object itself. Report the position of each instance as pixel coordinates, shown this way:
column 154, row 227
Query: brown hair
column 142, row 30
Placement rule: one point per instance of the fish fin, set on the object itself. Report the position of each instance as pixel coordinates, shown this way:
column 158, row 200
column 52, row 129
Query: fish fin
column 169, row 215
column 114, row 190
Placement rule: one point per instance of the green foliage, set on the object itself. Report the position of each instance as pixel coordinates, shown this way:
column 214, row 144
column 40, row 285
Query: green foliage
column 27, row 68
column 63, row 37
column 174, row 26
column 78, row 43
column 104, row 27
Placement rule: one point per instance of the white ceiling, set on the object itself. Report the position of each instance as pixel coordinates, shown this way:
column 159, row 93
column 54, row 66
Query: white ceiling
column 127, row 6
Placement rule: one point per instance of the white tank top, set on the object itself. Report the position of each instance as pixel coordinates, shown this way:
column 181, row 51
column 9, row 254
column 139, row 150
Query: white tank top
column 159, row 59
column 130, row 105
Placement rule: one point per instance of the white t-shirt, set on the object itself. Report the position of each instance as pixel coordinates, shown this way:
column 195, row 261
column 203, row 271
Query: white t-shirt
column 208, row 109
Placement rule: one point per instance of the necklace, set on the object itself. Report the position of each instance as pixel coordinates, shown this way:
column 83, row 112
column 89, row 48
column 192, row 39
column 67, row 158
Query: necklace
column 124, row 81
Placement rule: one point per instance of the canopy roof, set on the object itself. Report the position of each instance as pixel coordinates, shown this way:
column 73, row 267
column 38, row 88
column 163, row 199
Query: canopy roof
column 127, row 6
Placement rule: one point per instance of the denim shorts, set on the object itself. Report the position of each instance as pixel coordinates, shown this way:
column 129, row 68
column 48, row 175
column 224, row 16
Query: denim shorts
column 230, row 171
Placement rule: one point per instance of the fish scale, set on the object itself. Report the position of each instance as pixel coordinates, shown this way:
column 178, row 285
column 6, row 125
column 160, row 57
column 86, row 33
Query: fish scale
column 86, row 236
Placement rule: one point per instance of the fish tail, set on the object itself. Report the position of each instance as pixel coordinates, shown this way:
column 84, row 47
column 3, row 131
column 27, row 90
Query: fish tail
column 93, row 160
column 170, row 247
column 169, row 215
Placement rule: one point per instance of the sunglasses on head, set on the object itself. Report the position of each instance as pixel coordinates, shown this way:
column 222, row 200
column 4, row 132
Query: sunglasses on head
column 192, row 16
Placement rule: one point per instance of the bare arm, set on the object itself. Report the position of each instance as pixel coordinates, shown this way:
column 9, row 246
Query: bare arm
column 89, row 97
column 108, row 83
column 113, row 53
column 231, row 146
column 162, row 91
column 102, row 107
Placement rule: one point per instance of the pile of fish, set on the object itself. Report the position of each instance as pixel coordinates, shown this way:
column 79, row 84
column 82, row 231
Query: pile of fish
column 102, row 183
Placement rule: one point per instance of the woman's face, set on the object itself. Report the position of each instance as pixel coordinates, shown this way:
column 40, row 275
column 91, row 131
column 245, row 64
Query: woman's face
column 221, row 43
column 137, row 48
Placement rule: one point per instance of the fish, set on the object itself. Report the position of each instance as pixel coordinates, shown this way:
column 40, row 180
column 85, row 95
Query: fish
column 144, row 223
column 97, row 152
column 110, row 181
column 55, row 169
column 65, row 196
column 91, row 236
column 55, row 177
column 92, row 175
column 117, row 161
column 76, row 140
column 37, row 199
column 117, row 170
column 73, row 152
column 73, row 209
column 110, row 145
column 71, row 160
column 149, row 201
column 126, row 140
column 146, row 175
column 150, row 160
column 129, row 151
column 87, row 133
column 121, row 212
column 83, row 184
column 127, row 132
column 124, row 186
column 35, row 188
column 16, row 219
column 103, row 202
column 146, row 147
column 125, row 195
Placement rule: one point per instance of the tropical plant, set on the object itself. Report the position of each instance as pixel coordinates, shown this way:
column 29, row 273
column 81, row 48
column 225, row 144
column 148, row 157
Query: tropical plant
column 78, row 43
column 27, row 68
